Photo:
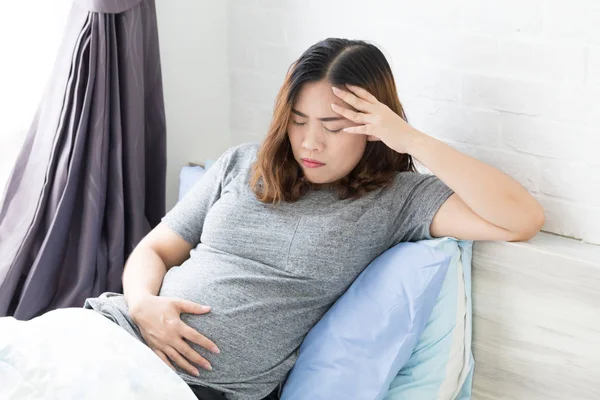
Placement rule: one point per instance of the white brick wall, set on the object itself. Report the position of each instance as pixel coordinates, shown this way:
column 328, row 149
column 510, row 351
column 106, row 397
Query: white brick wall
column 515, row 83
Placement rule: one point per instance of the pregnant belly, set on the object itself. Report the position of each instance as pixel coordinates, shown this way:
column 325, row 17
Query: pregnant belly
column 258, row 322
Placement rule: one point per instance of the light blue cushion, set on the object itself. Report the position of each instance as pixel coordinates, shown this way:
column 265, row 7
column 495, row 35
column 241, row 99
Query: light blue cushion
column 441, row 366
column 365, row 338
column 187, row 177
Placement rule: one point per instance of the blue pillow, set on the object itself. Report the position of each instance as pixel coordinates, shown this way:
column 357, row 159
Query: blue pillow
column 365, row 338
column 441, row 366
column 187, row 177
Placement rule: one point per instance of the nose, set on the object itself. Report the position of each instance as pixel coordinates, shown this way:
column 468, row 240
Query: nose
column 313, row 140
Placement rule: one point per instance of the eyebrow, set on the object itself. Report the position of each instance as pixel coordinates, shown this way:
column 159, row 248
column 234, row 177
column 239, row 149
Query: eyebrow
column 325, row 119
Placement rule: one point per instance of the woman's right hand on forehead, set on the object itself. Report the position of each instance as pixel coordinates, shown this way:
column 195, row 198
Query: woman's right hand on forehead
column 159, row 321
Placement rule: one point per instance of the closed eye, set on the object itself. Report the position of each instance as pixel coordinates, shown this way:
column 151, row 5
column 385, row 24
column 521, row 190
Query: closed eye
column 304, row 123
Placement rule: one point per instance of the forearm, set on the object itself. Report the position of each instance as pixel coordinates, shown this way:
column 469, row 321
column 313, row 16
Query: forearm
column 143, row 275
column 491, row 194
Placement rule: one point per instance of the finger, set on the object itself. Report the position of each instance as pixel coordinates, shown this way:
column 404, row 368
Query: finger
column 185, row 350
column 179, row 360
column 362, row 93
column 194, row 336
column 164, row 357
column 357, row 117
column 190, row 307
column 351, row 99
column 357, row 129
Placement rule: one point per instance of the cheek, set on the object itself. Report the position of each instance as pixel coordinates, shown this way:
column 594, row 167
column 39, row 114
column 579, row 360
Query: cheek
column 293, row 136
column 352, row 147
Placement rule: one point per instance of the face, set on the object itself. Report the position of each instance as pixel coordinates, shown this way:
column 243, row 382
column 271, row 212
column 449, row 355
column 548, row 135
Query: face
column 324, row 152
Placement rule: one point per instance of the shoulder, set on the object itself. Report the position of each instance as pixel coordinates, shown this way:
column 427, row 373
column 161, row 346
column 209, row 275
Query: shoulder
column 239, row 156
column 237, row 159
column 409, row 179
column 244, row 150
column 415, row 185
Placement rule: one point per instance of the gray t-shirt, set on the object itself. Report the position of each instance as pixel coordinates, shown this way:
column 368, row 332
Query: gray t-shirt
column 271, row 272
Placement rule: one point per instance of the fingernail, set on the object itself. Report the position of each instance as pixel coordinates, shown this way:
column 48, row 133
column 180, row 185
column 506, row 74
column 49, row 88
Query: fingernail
column 334, row 89
column 216, row 350
column 209, row 367
column 334, row 106
column 196, row 372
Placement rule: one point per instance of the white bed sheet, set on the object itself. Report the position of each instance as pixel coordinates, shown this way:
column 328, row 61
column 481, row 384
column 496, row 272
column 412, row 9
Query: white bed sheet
column 76, row 353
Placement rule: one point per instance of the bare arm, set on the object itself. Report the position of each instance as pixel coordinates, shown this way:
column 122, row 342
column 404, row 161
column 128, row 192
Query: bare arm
column 487, row 205
column 148, row 263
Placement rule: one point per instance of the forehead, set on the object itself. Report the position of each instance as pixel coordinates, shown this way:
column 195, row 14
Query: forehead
column 316, row 98
column 316, row 95
column 315, row 92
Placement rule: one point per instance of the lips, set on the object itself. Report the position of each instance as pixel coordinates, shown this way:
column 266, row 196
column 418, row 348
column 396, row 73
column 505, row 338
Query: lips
column 310, row 163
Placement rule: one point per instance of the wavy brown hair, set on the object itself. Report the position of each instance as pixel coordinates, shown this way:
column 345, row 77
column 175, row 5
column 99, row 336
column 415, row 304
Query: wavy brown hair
column 276, row 175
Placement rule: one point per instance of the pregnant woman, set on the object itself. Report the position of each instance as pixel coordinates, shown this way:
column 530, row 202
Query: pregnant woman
column 227, row 286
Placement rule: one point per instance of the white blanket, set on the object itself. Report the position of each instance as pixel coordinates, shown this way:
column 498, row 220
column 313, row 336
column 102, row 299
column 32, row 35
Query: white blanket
column 76, row 353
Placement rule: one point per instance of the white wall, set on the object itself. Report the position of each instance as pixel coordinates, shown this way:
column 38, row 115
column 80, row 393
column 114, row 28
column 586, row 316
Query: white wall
column 193, row 45
column 515, row 83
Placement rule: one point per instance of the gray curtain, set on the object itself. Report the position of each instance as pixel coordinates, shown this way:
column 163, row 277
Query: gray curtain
column 89, row 182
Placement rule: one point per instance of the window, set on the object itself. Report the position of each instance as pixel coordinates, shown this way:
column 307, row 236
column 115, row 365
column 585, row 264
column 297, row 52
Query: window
column 30, row 36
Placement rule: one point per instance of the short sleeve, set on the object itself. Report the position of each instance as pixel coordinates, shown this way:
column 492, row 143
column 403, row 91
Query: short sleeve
column 416, row 199
column 187, row 217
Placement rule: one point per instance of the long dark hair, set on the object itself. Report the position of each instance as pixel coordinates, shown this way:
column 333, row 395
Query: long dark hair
column 276, row 174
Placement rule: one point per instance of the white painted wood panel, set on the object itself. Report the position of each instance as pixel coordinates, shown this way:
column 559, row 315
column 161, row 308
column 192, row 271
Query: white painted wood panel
column 536, row 316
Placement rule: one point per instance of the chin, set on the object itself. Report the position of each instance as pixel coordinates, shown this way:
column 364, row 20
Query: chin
column 318, row 180
column 312, row 178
